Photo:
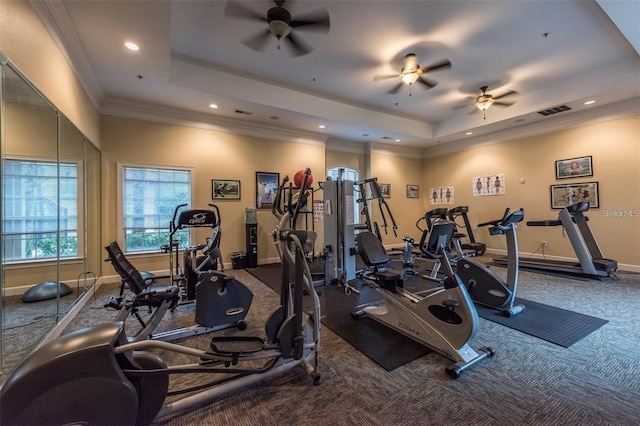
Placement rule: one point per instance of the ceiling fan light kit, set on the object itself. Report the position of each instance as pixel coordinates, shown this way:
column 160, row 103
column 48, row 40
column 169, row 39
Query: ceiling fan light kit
column 410, row 78
column 484, row 101
column 484, row 104
column 280, row 24
column 279, row 29
column 411, row 73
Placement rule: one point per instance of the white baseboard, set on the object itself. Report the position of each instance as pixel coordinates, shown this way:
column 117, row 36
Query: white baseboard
column 500, row 252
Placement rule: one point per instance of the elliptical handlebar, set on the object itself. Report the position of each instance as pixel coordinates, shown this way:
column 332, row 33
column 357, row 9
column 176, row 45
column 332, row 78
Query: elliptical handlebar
column 172, row 224
column 275, row 207
column 302, row 197
column 219, row 218
column 290, row 207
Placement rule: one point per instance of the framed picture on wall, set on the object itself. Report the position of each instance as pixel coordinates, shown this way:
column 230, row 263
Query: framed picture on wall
column 266, row 189
column 385, row 190
column 574, row 167
column 225, row 189
column 565, row 195
column 413, row 191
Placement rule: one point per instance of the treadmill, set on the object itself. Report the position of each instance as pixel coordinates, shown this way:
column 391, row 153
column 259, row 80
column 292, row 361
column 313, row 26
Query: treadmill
column 462, row 211
column 591, row 262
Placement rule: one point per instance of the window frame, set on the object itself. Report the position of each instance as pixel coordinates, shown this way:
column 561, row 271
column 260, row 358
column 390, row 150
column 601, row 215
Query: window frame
column 80, row 210
column 121, row 235
column 356, row 219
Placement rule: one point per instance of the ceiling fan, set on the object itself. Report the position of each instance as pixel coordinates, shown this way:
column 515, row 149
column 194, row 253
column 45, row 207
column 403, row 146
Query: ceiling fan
column 484, row 101
column 412, row 73
column 280, row 24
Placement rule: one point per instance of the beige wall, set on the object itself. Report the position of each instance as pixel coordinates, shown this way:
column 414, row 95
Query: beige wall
column 212, row 155
column 26, row 43
column 347, row 155
column 615, row 148
column 31, row 131
column 398, row 171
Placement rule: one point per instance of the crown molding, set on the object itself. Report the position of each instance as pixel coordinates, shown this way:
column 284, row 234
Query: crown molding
column 345, row 146
column 126, row 108
column 554, row 123
column 56, row 20
column 396, row 151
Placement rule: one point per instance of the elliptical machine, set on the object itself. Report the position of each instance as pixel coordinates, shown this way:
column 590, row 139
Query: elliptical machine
column 93, row 376
column 484, row 286
column 443, row 318
column 198, row 258
column 221, row 300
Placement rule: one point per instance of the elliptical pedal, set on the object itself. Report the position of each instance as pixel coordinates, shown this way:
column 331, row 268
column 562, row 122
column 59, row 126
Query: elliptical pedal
column 235, row 347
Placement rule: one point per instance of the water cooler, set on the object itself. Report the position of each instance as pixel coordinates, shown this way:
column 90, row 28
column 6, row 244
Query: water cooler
column 251, row 233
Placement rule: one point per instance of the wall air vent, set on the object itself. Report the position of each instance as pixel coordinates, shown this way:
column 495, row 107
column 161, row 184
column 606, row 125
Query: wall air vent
column 554, row 110
column 239, row 111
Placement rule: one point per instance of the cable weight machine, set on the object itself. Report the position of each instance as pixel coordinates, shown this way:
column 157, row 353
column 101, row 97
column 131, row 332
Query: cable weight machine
column 339, row 231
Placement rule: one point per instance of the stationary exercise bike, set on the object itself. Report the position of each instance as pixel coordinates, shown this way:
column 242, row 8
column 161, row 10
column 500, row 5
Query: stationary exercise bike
column 94, row 376
column 443, row 319
column 484, row 286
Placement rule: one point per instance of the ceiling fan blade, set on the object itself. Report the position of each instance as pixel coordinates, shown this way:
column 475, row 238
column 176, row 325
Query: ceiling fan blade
column 509, row 93
column 469, row 101
column 313, row 21
column 459, row 107
column 395, row 89
column 298, row 47
column 428, row 83
column 236, row 9
column 385, row 76
column 258, row 41
column 503, row 104
column 444, row 64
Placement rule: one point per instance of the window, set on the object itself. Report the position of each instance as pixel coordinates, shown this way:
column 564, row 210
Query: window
column 33, row 211
column 347, row 174
column 149, row 198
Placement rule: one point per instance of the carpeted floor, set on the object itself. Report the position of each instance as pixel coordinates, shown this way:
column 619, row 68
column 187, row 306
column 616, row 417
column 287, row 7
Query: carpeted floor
column 528, row 382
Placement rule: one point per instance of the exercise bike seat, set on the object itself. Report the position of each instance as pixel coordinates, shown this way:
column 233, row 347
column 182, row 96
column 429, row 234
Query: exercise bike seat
column 374, row 255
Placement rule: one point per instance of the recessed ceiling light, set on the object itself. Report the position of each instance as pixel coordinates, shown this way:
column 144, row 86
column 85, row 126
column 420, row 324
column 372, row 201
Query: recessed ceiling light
column 469, row 133
column 322, row 126
column 590, row 102
column 214, row 106
column 132, row 46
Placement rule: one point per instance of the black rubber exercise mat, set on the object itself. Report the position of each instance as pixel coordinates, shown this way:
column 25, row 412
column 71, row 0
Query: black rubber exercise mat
column 556, row 325
column 384, row 346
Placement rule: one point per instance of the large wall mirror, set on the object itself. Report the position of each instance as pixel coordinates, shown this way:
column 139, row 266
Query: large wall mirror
column 50, row 216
